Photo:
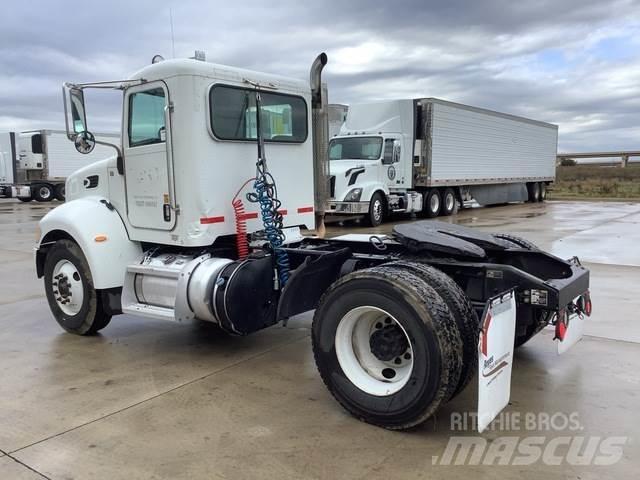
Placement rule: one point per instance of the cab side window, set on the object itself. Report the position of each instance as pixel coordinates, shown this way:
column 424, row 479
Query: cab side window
column 387, row 158
column 146, row 118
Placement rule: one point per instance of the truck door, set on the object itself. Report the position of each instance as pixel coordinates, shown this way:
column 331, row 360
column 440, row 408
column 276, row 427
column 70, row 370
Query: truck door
column 148, row 165
column 393, row 172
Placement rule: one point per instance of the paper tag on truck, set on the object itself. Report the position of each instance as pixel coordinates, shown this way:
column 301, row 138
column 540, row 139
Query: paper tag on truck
column 495, row 357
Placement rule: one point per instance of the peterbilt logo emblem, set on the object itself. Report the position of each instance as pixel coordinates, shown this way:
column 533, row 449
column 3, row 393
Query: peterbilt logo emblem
column 391, row 173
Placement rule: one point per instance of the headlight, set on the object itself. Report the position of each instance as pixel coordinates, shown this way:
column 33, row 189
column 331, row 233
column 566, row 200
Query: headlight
column 353, row 195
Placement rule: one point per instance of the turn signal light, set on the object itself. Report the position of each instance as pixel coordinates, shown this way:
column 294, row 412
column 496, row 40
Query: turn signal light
column 100, row 238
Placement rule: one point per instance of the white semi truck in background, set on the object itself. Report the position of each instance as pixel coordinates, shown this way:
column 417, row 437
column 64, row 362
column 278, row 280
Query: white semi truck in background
column 34, row 165
column 428, row 156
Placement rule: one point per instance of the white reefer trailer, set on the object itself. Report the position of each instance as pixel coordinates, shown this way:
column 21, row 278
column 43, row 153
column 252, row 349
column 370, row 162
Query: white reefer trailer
column 186, row 223
column 428, row 155
column 35, row 164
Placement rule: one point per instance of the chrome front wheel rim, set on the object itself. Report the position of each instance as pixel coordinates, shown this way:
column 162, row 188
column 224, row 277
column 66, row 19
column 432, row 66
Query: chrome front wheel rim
column 67, row 287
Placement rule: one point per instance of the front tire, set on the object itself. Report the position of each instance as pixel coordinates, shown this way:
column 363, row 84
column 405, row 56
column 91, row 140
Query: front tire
column 387, row 347
column 376, row 213
column 74, row 302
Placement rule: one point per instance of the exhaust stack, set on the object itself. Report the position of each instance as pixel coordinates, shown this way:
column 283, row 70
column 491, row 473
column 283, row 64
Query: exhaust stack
column 320, row 128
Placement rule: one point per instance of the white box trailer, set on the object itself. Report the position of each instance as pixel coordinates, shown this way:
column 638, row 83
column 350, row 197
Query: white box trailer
column 35, row 164
column 429, row 156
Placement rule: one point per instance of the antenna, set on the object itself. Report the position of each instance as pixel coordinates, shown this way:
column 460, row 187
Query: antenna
column 173, row 43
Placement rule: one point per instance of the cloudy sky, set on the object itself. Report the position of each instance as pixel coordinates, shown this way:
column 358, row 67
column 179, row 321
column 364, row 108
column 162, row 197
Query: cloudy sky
column 575, row 63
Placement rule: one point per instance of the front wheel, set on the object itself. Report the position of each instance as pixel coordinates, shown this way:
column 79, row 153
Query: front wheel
column 387, row 347
column 376, row 210
column 68, row 284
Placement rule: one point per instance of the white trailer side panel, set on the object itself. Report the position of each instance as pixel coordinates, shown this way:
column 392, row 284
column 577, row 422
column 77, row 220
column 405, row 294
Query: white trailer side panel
column 476, row 146
column 63, row 159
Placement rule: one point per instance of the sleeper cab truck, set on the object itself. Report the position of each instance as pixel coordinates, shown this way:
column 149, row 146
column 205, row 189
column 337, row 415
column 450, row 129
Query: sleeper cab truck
column 429, row 156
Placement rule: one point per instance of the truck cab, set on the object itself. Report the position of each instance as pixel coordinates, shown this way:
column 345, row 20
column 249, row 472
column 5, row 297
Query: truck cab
column 370, row 161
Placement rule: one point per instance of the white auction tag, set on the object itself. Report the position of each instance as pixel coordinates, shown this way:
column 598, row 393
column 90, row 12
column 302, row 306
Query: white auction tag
column 495, row 357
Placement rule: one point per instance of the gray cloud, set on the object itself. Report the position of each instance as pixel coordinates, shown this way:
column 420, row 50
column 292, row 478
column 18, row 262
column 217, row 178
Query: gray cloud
column 574, row 62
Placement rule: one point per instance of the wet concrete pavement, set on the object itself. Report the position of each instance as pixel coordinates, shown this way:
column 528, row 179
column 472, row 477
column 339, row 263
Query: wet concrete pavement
column 153, row 399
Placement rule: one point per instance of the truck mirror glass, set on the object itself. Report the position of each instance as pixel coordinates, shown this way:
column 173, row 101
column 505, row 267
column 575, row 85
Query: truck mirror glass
column 387, row 157
column 78, row 115
column 396, row 151
column 84, row 142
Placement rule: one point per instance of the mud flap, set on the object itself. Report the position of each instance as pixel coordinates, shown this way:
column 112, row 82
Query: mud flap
column 495, row 356
column 572, row 331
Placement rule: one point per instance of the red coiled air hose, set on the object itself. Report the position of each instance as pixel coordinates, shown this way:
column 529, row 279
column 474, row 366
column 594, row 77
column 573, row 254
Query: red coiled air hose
column 242, row 243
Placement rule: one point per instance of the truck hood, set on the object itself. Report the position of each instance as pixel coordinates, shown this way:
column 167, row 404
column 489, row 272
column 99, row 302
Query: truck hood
column 343, row 170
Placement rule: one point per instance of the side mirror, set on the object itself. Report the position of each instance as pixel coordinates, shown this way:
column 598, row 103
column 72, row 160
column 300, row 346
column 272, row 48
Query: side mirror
column 84, row 142
column 75, row 113
column 396, row 151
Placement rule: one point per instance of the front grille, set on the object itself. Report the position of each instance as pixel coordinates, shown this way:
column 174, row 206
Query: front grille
column 332, row 186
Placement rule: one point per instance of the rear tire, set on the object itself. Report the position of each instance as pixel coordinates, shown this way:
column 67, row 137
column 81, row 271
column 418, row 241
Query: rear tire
column 461, row 309
column 43, row 192
column 400, row 314
column 448, row 202
column 74, row 302
column 376, row 210
column 543, row 191
column 25, row 199
column 60, row 192
column 432, row 203
column 534, row 192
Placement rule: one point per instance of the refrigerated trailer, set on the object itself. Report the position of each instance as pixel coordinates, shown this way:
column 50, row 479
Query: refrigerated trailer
column 186, row 223
column 430, row 156
column 34, row 165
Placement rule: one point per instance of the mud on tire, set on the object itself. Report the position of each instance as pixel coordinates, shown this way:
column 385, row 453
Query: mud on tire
column 431, row 332
column 459, row 305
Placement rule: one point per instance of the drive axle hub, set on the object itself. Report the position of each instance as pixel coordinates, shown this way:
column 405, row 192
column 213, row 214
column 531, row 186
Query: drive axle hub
column 388, row 342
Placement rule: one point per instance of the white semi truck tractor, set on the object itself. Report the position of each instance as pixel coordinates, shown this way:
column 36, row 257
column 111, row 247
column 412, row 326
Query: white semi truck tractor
column 198, row 216
column 427, row 156
column 35, row 164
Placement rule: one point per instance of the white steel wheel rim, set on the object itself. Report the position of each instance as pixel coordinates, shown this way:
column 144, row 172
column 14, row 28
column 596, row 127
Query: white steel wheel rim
column 449, row 202
column 67, row 286
column 377, row 210
column 44, row 192
column 358, row 362
column 434, row 203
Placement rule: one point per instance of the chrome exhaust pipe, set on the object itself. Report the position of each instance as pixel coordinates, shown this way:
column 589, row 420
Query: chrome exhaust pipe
column 320, row 139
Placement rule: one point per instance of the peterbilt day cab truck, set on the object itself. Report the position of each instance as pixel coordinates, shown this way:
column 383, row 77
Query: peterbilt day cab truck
column 198, row 216
column 34, row 165
column 428, row 156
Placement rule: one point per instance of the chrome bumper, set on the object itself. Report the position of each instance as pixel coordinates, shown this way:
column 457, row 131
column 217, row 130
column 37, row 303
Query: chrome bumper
column 347, row 208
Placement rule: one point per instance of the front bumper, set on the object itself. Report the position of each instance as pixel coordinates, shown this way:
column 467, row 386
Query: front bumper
column 347, row 208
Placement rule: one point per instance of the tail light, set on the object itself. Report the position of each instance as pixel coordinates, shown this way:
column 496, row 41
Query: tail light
column 584, row 304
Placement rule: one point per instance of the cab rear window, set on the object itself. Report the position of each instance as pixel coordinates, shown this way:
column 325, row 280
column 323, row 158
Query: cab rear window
column 233, row 115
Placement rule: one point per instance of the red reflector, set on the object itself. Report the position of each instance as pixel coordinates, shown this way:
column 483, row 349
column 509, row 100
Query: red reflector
column 207, row 220
column 485, row 331
column 561, row 330
column 305, row 210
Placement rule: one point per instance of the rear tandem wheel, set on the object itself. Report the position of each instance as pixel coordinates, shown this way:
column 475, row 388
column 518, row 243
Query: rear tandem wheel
column 387, row 346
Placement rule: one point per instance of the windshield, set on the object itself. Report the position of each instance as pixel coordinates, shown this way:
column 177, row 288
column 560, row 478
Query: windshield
column 356, row 148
